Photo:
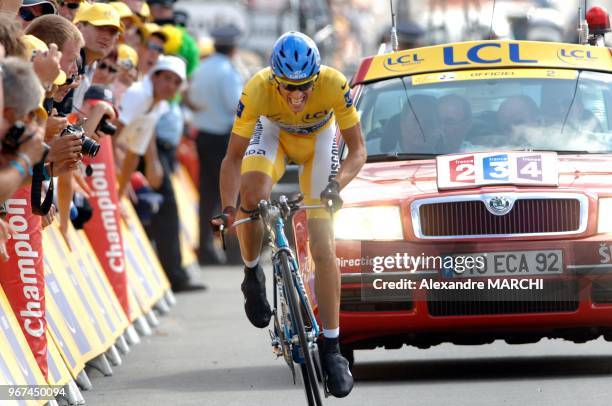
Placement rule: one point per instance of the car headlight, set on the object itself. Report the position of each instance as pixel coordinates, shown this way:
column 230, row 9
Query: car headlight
column 369, row 223
column 604, row 218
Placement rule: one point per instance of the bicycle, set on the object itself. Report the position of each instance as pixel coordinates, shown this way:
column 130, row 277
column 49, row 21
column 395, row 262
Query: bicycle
column 295, row 326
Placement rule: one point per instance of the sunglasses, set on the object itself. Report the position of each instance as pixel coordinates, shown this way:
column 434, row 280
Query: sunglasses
column 154, row 47
column 26, row 14
column 110, row 68
column 71, row 6
column 302, row 87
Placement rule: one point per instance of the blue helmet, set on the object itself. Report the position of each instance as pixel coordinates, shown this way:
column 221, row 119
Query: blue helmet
column 295, row 57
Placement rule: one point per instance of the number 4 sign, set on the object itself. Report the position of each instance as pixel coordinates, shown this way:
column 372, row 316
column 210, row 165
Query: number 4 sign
column 498, row 168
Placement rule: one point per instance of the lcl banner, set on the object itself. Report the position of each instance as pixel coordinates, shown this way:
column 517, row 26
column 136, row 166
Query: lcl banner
column 22, row 277
column 103, row 230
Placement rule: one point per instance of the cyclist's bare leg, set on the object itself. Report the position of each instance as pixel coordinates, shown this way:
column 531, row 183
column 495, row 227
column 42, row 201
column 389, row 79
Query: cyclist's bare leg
column 254, row 186
column 327, row 274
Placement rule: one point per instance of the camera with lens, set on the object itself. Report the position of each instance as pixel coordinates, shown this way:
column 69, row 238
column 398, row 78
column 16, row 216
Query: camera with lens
column 105, row 126
column 90, row 147
column 12, row 139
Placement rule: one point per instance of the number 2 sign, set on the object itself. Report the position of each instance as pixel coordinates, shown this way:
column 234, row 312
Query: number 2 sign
column 478, row 169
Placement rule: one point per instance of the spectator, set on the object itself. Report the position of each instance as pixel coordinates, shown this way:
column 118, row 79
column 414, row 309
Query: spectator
column 10, row 36
column 31, row 9
column 106, row 70
column 22, row 95
column 69, row 8
column 142, row 106
column 150, row 47
column 100, row 25
column 127, row 61
column 130, row 22
column 214, row 95
column 52, row 29
column 162, row 11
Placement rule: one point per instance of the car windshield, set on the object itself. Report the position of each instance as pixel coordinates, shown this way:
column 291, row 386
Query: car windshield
column 420, row 116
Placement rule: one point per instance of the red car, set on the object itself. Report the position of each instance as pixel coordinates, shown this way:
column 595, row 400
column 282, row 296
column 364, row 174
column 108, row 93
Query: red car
column 484, row 211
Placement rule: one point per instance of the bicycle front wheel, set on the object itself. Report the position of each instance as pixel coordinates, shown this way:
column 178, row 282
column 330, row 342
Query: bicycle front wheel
column 297, row 326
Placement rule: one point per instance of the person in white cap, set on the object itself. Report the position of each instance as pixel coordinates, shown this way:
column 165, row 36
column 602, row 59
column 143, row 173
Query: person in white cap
column 142, row 106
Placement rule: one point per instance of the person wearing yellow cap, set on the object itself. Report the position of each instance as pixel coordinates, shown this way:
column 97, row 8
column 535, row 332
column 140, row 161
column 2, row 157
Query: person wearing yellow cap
column 45, row 61
column 150, row 47
column 130, row 21
column 127, row 62
column 53, row 29
column 100, row 25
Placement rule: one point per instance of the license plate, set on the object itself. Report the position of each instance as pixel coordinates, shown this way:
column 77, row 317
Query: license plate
column 513, row 263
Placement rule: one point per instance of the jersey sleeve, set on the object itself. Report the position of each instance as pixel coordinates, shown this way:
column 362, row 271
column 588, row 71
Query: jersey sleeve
column 248, row 110
column 344, row 110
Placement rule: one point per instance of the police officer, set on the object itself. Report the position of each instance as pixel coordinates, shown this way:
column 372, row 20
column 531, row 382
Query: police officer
column 214, row 95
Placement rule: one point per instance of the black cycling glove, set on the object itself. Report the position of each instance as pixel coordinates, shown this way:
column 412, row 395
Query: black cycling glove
column 330, row 196
column 228, row 216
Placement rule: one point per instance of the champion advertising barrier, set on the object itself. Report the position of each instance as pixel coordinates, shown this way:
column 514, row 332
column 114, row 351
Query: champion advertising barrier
column 22, row 277
column 103, row 228
column 187, row 202
column 68, row 311
column 17, row 364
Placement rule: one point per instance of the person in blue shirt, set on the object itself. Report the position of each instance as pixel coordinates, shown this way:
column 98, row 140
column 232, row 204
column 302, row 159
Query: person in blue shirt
column 213, row 96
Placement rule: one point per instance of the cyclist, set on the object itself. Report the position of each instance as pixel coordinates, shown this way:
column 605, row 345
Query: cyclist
column 288, row 111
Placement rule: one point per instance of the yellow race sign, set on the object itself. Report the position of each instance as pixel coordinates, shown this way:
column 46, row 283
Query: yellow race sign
column 489, row 54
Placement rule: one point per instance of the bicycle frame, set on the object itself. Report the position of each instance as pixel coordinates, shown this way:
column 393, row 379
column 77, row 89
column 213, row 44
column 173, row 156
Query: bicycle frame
column 275, row 225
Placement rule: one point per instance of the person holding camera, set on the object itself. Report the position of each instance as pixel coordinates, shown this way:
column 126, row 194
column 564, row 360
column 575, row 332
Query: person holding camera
column 22, row 144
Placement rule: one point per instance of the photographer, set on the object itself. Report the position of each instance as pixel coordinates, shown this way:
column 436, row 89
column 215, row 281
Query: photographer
column 53, row 29
column 22, row 145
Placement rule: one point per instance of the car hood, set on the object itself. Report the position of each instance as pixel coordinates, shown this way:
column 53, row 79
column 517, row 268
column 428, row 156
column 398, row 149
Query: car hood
column 399, row 180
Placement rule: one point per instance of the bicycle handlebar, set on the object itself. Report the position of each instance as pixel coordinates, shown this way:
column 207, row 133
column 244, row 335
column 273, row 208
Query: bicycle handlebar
column 282, row 207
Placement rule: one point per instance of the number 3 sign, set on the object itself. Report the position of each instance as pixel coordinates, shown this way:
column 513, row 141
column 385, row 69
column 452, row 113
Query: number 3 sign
column 516, row 168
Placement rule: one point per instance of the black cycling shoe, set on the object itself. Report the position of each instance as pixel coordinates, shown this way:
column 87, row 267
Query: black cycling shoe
column 336, row 369
column 256, row 305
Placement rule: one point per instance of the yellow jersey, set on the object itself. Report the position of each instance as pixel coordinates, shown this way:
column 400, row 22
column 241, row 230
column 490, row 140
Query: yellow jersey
column 331, row 96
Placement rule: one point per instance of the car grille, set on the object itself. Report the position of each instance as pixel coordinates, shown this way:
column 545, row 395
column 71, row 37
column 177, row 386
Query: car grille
column 471, row 218
column 601, row 291
column 557, row 296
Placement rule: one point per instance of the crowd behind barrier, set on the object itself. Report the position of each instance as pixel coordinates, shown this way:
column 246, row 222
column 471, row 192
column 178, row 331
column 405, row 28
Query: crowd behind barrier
column 91, row 116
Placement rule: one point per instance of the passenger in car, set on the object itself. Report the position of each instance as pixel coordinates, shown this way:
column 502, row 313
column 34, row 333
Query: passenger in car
column 515, row 112
column 455, row 115
column 415, row 129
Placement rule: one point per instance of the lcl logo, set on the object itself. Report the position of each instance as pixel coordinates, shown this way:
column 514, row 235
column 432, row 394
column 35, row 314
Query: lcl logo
column 474, row 55
column 577, row 54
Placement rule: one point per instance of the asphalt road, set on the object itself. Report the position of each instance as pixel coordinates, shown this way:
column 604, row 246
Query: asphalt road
column 206, row 353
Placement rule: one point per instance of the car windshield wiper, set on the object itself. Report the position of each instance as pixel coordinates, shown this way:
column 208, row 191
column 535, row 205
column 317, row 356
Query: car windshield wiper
column 396, row 156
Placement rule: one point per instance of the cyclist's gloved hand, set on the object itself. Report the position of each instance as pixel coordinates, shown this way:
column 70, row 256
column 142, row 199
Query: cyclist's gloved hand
column 330, row 196
column 225, row 219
